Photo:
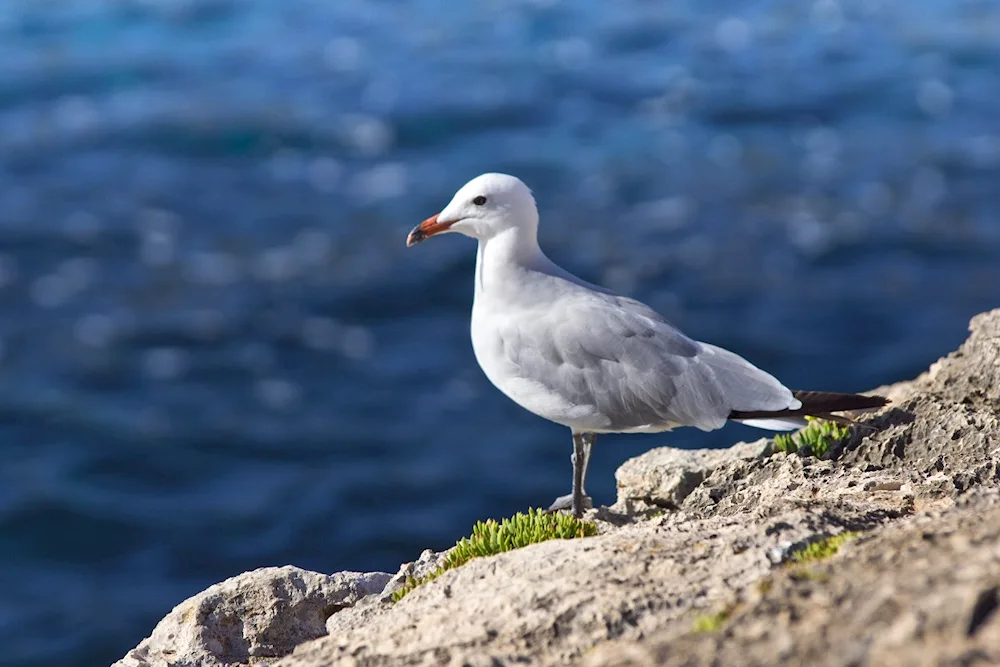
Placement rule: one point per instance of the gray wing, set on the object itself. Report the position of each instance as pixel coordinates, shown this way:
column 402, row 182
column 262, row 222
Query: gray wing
column 635, row 369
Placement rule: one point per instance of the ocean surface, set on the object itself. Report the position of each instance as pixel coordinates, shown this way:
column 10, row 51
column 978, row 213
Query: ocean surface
column 216, row 353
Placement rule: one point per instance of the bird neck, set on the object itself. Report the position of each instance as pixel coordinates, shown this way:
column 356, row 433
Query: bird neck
column 513, row 249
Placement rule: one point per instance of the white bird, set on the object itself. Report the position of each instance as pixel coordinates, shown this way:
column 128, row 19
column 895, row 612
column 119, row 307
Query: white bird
column 596, row 362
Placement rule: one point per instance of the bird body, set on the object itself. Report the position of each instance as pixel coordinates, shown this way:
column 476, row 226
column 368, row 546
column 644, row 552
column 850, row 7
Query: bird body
column 582, row 356
column 601, row 363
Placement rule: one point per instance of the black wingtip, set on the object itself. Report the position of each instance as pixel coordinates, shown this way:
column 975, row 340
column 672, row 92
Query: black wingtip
column 824, row 401
column 817, row 404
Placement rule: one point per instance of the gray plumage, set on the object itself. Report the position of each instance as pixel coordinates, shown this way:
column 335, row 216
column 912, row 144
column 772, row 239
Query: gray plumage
column 619, row 364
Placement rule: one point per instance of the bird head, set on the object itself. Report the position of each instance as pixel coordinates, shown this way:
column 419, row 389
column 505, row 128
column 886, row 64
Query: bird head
column 483, row 208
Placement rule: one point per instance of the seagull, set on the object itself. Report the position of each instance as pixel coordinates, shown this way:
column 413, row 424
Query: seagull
column 592, row 360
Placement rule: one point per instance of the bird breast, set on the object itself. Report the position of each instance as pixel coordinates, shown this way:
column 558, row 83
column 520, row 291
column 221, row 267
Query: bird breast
column 495, row 341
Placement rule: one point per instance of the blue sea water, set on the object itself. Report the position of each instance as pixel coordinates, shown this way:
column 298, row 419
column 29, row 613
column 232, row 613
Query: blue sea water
column 216, row 353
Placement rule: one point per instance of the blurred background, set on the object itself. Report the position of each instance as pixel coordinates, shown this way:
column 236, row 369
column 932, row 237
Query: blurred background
column 216, row 353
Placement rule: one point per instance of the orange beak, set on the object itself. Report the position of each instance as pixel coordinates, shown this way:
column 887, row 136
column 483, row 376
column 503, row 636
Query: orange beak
column 426, row 229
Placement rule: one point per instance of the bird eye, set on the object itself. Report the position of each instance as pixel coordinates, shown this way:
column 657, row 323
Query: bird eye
column 479, row 201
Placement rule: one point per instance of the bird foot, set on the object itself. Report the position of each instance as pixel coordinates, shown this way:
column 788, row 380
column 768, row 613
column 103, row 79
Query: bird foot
column 566, row 503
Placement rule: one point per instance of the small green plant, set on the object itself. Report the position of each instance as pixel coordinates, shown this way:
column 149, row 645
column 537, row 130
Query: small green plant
column 491, row 537
column 821, row 549
column 712, row 622
column 816, row 439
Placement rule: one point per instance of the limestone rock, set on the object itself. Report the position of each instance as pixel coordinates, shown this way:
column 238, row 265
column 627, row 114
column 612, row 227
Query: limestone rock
column 665, row 477
column 423, row 566
column 921, row 592
column 251, row 617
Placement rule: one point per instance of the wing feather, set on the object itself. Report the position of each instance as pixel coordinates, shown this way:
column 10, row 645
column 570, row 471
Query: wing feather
column 633, row 368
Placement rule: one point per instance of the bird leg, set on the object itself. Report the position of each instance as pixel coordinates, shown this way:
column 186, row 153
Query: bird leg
column 578, row 500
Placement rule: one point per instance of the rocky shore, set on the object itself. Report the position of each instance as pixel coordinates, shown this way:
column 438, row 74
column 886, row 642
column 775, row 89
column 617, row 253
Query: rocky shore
column 693, row 564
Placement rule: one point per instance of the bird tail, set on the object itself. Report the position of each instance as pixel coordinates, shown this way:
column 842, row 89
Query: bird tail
column 820, row 404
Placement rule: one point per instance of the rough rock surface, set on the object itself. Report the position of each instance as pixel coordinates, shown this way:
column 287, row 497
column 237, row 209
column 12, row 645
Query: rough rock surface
column 251, row 617
column 920, row 592
column 696, row 533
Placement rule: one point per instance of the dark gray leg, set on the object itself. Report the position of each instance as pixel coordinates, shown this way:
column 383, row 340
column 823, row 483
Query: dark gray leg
column 578, row 500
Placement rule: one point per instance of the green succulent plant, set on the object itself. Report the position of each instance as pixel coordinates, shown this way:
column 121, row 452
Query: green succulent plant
column 491, row 537
column 711, row 622
column 816, row 439
column 821, row 549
